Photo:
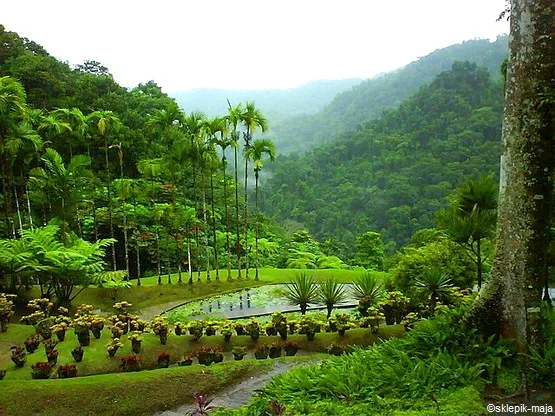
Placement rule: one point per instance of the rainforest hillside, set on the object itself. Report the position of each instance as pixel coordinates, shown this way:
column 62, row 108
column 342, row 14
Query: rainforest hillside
column 392, row 174
column 366, row 101
column 277, row 105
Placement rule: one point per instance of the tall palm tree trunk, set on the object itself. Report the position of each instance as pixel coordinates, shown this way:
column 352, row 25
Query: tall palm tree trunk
column 18, row 209
column 113, row 245
column 179, row 260
column 206, row 230
column 158, row 258
column 95, row 223
column 190, row 269
column 246, row 208
column 238, row 237
column 257, row 228
column 227, row 250
column 29, row 207
column 125, row 237
column 216, row 264
column 138, row 256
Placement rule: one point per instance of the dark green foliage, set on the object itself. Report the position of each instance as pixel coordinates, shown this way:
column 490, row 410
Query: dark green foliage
column 393, row 174
column 331, row 293
column 370, row 251
column 302, row 291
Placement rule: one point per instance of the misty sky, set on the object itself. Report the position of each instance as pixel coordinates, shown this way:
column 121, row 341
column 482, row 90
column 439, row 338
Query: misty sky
column 248, row 44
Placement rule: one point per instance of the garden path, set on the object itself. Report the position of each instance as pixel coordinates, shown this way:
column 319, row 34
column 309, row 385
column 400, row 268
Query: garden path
column 236, row 395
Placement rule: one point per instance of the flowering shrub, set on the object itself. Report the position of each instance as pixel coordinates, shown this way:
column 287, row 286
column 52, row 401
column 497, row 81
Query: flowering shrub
column 261, row 351
column 337, row 349
column 60, row 330
column 207, row 356
column 160, row 327
column 32, row 343
column 113, row 346
column 6, row 310
column 41, row 370
column 291, row 348
column 163, row 359
column 18, row 356
column 131, row 362
column 67, row 371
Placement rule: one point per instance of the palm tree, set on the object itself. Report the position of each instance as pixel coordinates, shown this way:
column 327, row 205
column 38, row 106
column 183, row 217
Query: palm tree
column 62, row 185
column 193, row 125
column 13, row 108
column 252, row 119
column 104, row 123
column 367, row 289
column 123, row 191
column 330, row 293
column 224, row 142
column 472, row 217
column 234, row 118
column 75, row 119
column 255, row 153
column 302, row 291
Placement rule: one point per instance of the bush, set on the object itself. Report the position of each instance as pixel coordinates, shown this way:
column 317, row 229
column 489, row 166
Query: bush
column 131, row 362
column 67, row 371
column 163, row 359
column 261, row 351
column 41, row 370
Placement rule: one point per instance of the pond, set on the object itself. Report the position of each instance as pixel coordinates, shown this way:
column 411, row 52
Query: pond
column 256, row 301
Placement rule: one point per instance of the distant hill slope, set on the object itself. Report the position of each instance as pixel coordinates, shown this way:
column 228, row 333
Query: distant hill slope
column 368, row 99
column 393, row 174
column 275, row 104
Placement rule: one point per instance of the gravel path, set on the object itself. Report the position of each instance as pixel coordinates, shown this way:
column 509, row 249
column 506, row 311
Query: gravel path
column 236, row 395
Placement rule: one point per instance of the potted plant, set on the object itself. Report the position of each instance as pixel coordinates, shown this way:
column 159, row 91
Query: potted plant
column 227, row 331
column 239, row 328
column 131, row 362
column 59, row 330
column 187, row 360
column 337, row 349
column 343, row 323
column 67, row 371
column 96, row 326
column 292, row 326
column 211, row 328
column 279, row 321
column 375, row 316
column 394, row 307
column 275, row 350
column 309, row 327
column 261, row 351
column 163, row 359
column 239, row 353
column 253, row 329
column 41, row 370
column 49, row 345
column 270, row 330
column 136, row 341
column 195, row 329
column 52, row 357
column 18, row 356
column 77, row 353
column 2, row 374
column 117, row 329
column 6, row 311
column 113, row 346
column 218, row 355
column 290, row 348
column 160, row 327
column 178, row 328
column 205, row 355
column 81, row 327
column 32, row 343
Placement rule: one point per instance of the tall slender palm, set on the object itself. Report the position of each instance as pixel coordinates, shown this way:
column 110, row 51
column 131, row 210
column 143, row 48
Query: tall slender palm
column 224, row 142
column 75, row 119
column 123, row 190
column 193, row 125
column 151, row 168
column 256, row 153
column 251, row 119
column 234, row 118
column 104, row 123
column 13, row 110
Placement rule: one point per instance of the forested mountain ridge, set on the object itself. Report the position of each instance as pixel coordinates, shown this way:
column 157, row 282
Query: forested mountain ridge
column 392, row 174
column 277, row 104
column 366, row 100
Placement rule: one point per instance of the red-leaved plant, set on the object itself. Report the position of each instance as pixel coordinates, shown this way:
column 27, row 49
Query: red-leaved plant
column 203, row 405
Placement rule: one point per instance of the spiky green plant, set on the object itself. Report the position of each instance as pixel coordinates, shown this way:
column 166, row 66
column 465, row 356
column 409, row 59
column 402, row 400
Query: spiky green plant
column 330, row 293
column 302, row 291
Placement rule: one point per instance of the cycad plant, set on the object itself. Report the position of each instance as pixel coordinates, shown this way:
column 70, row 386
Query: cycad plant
column 434, row 285
column 302, row 291
column 367, row 289
column 330, row 293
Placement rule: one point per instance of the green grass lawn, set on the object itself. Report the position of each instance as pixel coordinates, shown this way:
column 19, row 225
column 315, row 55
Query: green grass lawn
column 96, row 360
column 125, row 394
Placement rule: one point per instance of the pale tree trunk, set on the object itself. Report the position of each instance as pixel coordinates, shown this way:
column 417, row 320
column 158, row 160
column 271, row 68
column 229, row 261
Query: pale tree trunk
column 237, row 224
column 138, row 257
column 207, row 229
column 214, row 237
column 29, row 208
column 190, row 270
column 246, row 208
column 256, row 175
column 510, row 303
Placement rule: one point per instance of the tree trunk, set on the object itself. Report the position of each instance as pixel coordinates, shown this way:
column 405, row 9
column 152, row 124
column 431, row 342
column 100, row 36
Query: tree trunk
column 179, row 260
column 29, row 207
column 190, row 270
column 246, row 208
column 95, row 224
column 108, row 182
column 18, row 209
column 138, row 253
column 227, row 249
column 216, row 265
column 158, row 259
column 238, row 236
column 207, row 231
column 510, row 302
column 257, row 228
column 479, row 261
